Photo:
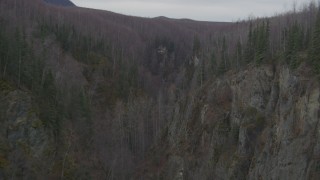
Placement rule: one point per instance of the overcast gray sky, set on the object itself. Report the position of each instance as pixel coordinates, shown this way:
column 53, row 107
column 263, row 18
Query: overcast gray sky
column 206, row 10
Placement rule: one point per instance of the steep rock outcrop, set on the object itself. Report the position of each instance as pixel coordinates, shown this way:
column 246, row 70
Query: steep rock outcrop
column 260, row 123
column 24, row 141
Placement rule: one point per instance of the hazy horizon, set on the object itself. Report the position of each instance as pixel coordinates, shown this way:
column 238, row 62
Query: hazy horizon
column 203, row 10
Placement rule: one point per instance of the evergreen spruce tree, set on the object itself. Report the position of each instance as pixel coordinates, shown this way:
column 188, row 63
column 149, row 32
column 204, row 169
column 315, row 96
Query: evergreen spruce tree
column 294, row 45
column 262, row 42
column 315, row 47
column 48, row 105
column 224, row 54
column 239, row 54
column 249, row 51
column 3, row 50
column 196, row 46
column 213, row 64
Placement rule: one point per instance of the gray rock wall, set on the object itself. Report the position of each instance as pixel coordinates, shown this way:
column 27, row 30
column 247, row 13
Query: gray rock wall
column 259, row 123
column 25, row 145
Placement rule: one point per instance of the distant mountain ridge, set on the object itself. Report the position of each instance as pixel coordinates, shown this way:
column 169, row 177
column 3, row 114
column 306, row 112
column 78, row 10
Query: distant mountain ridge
column 60, row 2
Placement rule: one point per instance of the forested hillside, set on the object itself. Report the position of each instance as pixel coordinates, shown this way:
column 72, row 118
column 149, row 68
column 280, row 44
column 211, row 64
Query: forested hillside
column 91, row 94
column 60, row 2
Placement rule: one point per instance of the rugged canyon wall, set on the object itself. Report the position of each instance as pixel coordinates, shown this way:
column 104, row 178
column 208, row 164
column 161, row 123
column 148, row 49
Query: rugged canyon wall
column 89, row 94
column 259, row 123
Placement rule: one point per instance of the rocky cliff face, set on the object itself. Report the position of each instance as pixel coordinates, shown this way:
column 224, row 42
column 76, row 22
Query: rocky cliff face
column 25, row 144
column 260, row 123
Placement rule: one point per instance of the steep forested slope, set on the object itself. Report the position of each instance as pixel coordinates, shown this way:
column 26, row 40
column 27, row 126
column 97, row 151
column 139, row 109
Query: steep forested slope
column 94, row 94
